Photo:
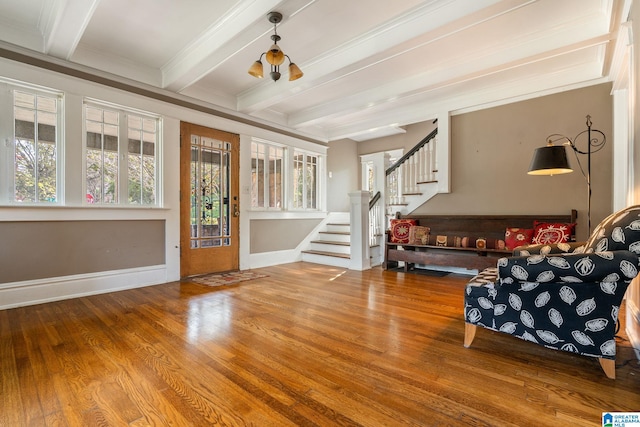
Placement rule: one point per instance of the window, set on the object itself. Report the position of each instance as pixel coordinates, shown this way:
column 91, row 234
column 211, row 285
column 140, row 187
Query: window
column 36, row 147
column 142, row 145
column 305, row 180
column 121, row 159
column 267, row 176
column 281, row 180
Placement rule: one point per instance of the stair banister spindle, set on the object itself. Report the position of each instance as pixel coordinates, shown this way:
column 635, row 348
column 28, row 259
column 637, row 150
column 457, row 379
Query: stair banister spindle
column 416, row 172
column 421, row 158
column 425, row 156
column 412, row 174
column 403, row 179
column 434, row 158
column 418, row 166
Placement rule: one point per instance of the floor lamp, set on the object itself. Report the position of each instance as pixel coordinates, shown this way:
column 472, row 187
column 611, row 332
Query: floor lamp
column 552, row 159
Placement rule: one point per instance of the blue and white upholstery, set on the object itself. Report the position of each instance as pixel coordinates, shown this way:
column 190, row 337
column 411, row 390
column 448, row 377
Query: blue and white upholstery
column 561, row 299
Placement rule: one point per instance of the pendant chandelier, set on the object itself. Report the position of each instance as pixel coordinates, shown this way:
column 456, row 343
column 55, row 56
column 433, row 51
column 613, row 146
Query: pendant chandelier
column 275, row 56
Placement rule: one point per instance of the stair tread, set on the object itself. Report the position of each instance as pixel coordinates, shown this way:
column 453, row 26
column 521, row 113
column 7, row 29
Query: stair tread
column 346, row 224
column 331, row 242
column 333, row 254
column 342, row 233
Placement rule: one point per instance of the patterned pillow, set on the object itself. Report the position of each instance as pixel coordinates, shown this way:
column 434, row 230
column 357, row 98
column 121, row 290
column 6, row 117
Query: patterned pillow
column 498, row 244
column 548, row 233
column 400, row 230
column 483, row 243
column 446, row 241
column 418, row 235
column 515, row 237
column 618, row 231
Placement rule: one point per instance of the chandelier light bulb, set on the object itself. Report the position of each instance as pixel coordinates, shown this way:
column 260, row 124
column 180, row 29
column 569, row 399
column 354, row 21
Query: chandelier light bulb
column 275, row 56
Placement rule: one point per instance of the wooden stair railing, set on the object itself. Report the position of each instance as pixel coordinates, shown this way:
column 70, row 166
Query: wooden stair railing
column 417, row 166
column 376, row 219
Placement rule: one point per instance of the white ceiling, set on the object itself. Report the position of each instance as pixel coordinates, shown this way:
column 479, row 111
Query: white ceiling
column 370, row 66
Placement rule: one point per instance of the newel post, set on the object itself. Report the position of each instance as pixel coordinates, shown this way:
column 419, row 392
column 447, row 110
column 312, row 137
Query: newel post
column 360, row 257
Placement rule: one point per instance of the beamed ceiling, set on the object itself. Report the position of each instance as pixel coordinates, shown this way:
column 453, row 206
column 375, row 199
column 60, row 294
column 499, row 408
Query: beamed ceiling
column 370, row 67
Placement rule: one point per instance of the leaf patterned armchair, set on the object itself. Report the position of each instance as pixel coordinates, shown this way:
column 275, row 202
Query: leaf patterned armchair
column 560, row 296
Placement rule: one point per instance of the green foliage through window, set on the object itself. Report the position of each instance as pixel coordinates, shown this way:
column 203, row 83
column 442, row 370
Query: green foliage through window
column 35, row 147
column 106, row 138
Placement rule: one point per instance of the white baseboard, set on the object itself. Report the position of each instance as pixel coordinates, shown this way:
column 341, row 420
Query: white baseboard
column 266, row 259
column 633, row 325
column 19, row 294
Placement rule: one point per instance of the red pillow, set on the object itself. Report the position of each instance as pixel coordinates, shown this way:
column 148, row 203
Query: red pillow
column 400, row 230
column 515, row 237
column 548, row 233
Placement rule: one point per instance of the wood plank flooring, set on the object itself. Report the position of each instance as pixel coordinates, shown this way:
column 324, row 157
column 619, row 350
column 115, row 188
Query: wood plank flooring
column 307, row 345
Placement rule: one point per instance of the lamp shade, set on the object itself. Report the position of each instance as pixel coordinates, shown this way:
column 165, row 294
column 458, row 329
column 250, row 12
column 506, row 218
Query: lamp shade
column 294, row 72
column 549, row 160
column 256, row 70
column 275, row 56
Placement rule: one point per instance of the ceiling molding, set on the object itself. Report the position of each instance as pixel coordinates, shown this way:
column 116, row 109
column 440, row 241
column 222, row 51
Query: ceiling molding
column 204, row 55
column 368, row 70
column 66, row 26
column 397, row 92
column 39, row 60
column 387, row 38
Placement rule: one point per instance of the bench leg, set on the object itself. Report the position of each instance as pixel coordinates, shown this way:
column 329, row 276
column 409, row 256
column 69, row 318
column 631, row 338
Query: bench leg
column 470, row 334
column 609, row 367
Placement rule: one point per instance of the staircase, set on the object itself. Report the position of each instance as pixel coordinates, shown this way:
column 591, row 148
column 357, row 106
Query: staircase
column 414, row 178
column 409, row 183
column 331, row 245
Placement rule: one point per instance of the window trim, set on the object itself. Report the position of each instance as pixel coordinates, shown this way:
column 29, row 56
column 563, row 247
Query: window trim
column 8, row 87
column 318, row 181
column 283, row 178
column 123, row 113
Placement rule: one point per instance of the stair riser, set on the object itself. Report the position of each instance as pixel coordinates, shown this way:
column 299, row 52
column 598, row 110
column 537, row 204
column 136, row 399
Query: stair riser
column 345, row 238
column 338, row 249
column 326, row 260
column 340, row 228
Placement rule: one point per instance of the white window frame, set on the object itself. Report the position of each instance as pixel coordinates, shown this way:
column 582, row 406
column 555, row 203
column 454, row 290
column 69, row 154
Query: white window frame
column 7, row 136
column 123, row 169
column 266, row 189
column 318, row 181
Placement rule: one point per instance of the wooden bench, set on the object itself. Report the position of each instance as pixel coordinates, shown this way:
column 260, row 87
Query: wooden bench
column 478, row 226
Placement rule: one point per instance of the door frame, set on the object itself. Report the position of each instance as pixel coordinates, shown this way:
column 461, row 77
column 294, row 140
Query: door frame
column 216, row 258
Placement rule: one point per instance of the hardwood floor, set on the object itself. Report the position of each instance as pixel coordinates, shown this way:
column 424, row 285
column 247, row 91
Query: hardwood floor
column 307, row 345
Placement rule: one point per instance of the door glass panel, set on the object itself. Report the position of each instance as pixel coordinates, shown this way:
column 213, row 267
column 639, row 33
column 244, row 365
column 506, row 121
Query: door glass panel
column 209, row 178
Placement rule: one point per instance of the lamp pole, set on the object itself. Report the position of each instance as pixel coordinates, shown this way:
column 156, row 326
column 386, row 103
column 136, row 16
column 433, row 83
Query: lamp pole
column 589, row 173
column 596, row 139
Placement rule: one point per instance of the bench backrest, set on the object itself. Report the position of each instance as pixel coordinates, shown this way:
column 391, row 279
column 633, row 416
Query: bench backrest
column 485, row 226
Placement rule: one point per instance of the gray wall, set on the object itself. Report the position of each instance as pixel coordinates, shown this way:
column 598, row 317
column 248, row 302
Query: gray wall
column 269, row 235
column 491, row 150
column 414, row 134
column 42, row 249
column 343, row 164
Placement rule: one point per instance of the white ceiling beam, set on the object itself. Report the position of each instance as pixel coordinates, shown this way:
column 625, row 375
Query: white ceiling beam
column 510, row 87
column 396, row 91
column 63, row 24
column 349, row 58
column 239, row 27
